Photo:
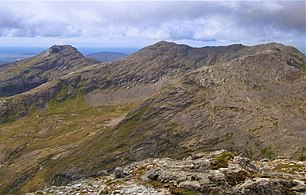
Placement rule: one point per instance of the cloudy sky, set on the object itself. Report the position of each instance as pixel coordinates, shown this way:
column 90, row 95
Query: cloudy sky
column 139, row 23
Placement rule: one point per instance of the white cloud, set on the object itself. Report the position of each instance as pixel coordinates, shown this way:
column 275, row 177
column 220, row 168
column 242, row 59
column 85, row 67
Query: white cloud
column 111, row 22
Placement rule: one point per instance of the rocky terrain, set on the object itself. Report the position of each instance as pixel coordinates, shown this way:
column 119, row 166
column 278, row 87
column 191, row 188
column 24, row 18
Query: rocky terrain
column 166, row 100
column 219, row 172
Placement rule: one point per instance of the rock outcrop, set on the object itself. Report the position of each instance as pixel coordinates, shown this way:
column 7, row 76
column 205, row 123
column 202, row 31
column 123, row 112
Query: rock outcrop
column 218, row 172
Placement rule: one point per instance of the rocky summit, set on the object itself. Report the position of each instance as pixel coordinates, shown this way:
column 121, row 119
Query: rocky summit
column 66, row 119
column 219, row 172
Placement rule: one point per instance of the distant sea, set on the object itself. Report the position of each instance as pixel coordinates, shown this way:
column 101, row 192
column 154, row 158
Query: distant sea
column 11, row 54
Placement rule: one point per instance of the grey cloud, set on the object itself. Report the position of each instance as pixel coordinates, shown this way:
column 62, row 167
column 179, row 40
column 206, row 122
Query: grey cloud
column 289, row 16
column 174, row 20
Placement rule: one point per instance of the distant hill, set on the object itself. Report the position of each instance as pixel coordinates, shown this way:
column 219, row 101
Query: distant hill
column 106, row 56
column 26, row 74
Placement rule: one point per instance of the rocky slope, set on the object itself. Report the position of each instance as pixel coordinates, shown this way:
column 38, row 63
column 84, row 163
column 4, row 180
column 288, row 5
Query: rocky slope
column 179, row 100
column 219, row 172
column 139, row 76
column 27, row 74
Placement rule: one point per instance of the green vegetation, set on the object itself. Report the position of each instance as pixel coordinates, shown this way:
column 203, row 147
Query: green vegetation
column 43, row 138
column 101, row 146
column 248, row 153
column 291, row 168
column 268, row 152
column 129, row 125
column 302, row 156
column 222, row 160
column 76, row 104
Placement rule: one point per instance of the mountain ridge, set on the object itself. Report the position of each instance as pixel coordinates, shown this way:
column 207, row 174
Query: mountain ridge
column 247, row 99
column 149, row 66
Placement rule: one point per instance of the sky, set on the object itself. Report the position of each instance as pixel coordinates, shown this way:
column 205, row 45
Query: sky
column 140, row 23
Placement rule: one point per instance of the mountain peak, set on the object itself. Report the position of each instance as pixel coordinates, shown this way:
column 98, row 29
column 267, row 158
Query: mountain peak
column 163, row 46
column 29, row 73
column 61, row 48
column 165, row 43
column 168, row 43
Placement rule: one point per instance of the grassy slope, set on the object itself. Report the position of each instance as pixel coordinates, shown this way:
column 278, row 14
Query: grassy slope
column 104, row 151
column 33, row 145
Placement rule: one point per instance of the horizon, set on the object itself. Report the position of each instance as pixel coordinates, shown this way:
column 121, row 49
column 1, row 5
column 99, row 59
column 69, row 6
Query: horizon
column 127, row 24
column 128, row 50
column 10, row 54
column 86, row 49
column 14, row 53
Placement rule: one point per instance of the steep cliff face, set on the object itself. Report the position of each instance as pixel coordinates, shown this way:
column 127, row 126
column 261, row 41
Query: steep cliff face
column 166, row 100
column 27, row 74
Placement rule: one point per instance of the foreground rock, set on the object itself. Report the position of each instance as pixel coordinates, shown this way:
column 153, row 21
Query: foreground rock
column 218, row 172
column 103, row 185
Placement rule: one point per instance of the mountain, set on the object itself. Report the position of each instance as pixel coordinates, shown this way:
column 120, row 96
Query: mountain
column 106, row 56
column 27, row 74
column 166, row 100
